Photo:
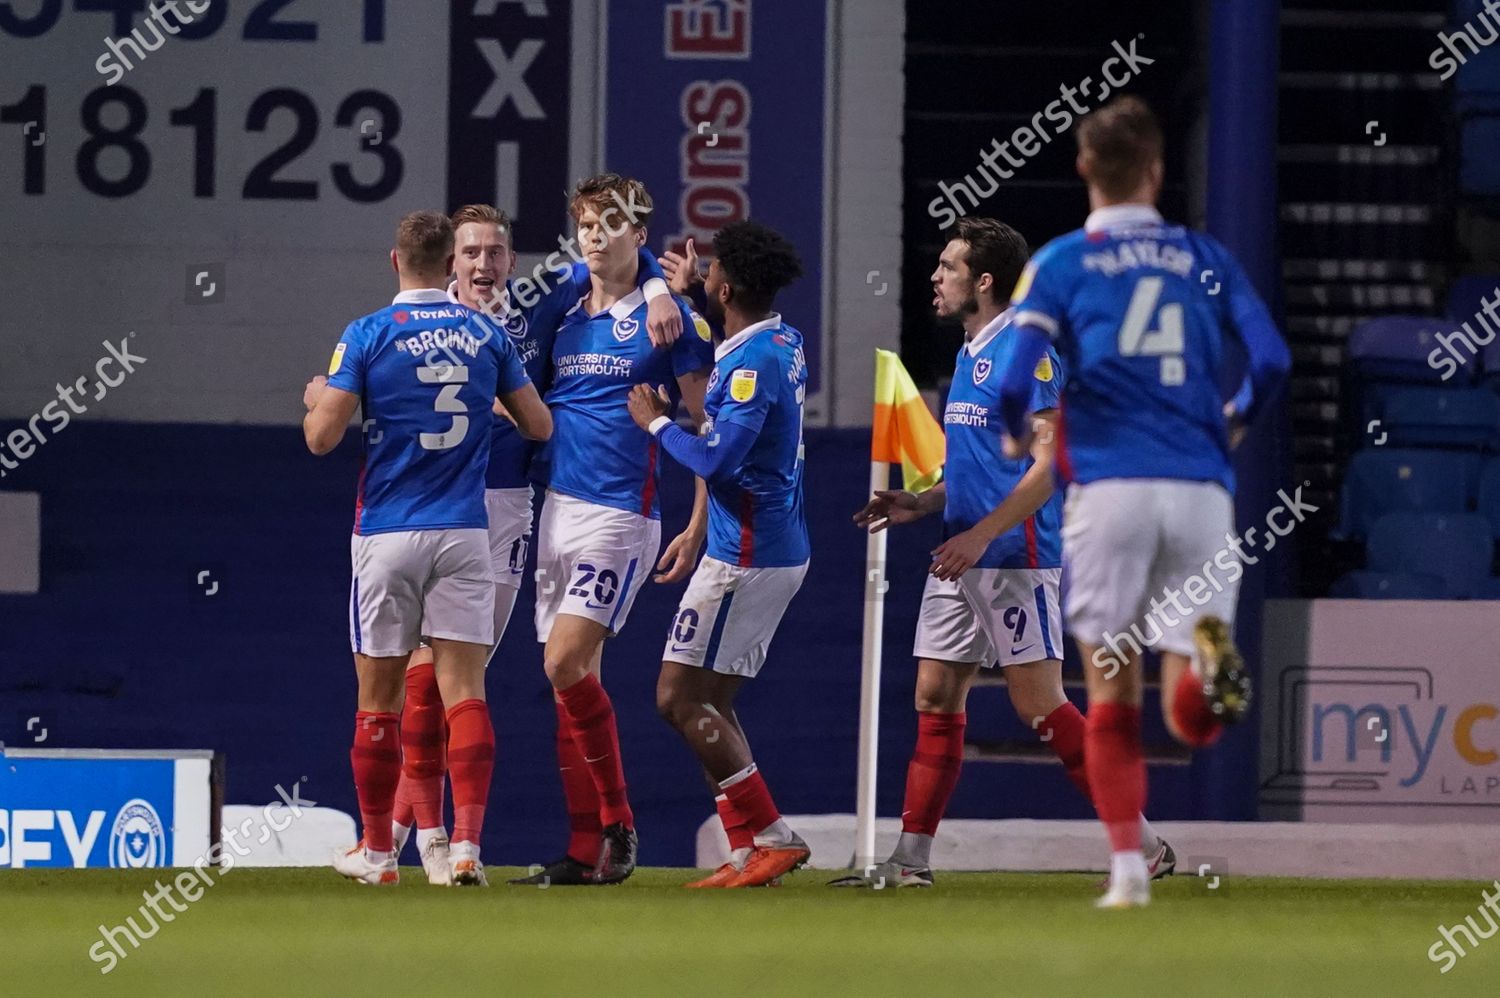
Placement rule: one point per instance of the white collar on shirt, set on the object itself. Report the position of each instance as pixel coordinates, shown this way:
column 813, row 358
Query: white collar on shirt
column 619, row 310
column 502, row 311
column 422, row 296
column 1117, row 216
column 989, row 332
column 739, row 339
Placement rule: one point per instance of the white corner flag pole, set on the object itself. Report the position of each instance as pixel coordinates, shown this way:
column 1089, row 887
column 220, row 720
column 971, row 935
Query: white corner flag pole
column 869, row 684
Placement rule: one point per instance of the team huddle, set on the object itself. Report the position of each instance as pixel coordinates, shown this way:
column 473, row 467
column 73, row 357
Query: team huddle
column 1099, row 369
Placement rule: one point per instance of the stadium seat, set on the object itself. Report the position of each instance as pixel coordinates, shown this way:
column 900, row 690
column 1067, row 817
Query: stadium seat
column 1383, row 480
column 1456, row 547
column 1440, row 417
column 1467, row 295
column 1365, row 584
column 1396, row 348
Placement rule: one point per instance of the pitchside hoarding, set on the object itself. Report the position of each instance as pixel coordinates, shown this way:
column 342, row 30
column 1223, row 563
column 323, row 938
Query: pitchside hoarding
column 1376, row 710
column 84, row 807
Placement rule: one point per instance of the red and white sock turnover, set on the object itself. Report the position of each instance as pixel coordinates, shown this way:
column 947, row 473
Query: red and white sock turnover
column 471, row 761
column 1191, row 713
column 419, row 795
column 751, row 800
column 741, row 839
column 584, row 827
column 376, row 760
column 592, row 718
column 1117, row 772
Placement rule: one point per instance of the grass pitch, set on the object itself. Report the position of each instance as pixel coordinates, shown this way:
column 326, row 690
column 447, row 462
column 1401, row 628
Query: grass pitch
column 306, row 932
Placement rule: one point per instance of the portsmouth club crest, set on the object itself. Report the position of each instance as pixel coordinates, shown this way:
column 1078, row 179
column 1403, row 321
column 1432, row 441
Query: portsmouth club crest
column 137, row 839
column 713, row 379
column 982, row 370
column 515, row 326
column 626, row 328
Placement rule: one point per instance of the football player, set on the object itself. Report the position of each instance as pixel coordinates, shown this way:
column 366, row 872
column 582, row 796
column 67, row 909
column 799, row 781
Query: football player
column 1145, row 439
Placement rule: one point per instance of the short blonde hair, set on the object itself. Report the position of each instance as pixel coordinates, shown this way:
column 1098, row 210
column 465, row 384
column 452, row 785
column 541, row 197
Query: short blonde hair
column 1118, row 143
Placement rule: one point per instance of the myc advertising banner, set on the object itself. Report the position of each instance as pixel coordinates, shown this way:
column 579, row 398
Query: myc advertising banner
column 1380, row 711
column 691, row 87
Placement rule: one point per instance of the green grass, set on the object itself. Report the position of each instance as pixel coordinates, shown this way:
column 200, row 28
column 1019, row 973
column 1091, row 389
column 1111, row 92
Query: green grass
column 296, row 932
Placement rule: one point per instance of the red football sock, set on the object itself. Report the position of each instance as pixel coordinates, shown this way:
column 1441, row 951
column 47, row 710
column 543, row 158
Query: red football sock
column 578, row 789
column 1191, row 713
column 933, row 771
column 738, row 832
column 751, row 800
column 1117, row 772
column 419, row 795
column 471, row 762
column 376, row 760
column 592, row 718
column 1064, row 729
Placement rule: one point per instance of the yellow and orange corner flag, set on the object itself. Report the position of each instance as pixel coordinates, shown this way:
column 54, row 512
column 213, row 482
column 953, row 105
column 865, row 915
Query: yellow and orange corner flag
column 904, row 429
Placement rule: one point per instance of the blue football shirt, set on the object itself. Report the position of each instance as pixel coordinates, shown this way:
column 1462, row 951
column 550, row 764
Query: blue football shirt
column 1138, row 310
column 597, row 453
column 759, row 382
column 427, row 372
column 978, row 474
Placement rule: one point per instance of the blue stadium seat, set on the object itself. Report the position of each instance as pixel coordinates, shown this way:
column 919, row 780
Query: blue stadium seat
column 1396, row 348
column 1457, row 547
column 1466, row 296
column 1382, row 480
column 1388, row 585
column 1440, row 417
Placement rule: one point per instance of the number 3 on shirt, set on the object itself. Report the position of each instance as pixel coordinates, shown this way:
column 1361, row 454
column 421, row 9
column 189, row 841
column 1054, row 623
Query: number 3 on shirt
column 452, row 377
column 1165, row 341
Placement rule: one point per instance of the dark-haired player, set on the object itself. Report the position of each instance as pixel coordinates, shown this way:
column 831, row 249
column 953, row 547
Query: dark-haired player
column 991, row 597
column 426, row 375
column 750, row 455
column 1145, row 443
column 600, row 529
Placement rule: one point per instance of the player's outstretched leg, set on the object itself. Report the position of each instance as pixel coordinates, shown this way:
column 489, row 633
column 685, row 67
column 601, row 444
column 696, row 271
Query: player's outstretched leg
column 471, row 750
column 376, row 760
column 699, row 704
column 419, row 794
column 572, row 648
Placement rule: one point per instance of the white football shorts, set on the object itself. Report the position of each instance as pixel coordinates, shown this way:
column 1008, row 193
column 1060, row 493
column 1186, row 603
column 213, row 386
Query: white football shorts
column 591, row 561
column 729, row 614
column 993, row 616
column 510, row 533
column 412, row 584
column 1129, row 541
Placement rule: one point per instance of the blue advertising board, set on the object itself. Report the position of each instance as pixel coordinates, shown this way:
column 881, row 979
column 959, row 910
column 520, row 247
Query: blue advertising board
column 129, row 809
column 683, row 86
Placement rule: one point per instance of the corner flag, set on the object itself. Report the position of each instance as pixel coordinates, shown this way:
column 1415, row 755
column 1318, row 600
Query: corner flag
column 904, row 431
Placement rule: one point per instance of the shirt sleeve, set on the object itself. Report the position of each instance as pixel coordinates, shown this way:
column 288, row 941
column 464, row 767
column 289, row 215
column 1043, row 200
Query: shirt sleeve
column 1046, row 388
column 1040, row 297
column 512, row 374
column 694, row 349
column 752, row 387
column 346, row 370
